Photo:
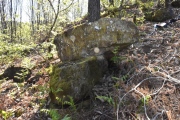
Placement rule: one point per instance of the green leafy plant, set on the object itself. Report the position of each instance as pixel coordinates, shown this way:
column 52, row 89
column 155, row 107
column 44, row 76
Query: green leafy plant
column 12, row 51
column 115, row 58
column 123, row 78
column 156, row 68
column 55, row 91
column 140, row 20
column 71, row 102
column 52, row 113
column 146, row 99
column 146, row 6
column 22, row 76
column 143, row 101
column 115, row 78
column 61, row 101
column 66, row 118
column 6, row 114
column 107, row 99
column 43, row 89
column 26, row 62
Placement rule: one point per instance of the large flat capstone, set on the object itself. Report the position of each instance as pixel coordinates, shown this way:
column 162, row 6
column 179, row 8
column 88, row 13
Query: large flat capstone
column 95, row 38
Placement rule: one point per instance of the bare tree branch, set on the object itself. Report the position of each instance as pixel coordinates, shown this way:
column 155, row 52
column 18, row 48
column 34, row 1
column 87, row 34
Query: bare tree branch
column 52, row 6
column 56, row 16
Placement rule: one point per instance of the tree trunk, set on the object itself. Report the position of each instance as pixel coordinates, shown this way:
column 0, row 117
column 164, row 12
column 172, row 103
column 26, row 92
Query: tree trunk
column 20, row 24
column 93, row 10
column 32, row 17
column 3, row 17
column 166, row 3
column 11, row 13
column 38, row 15
column 16, row 4
column 54, row 22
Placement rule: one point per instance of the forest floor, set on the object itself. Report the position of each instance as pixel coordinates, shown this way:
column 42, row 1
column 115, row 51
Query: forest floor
column 144, row 85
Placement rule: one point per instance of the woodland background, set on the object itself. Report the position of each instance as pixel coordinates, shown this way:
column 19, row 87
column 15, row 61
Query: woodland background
column 26, row 41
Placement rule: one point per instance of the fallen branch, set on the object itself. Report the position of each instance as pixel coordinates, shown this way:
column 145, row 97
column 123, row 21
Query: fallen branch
column 158, row 74
column 165, row 74
column 135, row 89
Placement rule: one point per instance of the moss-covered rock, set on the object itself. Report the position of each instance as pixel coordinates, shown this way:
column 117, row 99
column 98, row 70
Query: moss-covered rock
column 76, row 79
column 103, row 34
column 84, row 53
column 158, row 15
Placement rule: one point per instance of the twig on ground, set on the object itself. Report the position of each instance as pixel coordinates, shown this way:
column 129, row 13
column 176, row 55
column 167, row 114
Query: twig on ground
column 158, row 114
column 166, row 75
column 144, row 102
column 175, row 72
column 160, row 74
column 135, row 89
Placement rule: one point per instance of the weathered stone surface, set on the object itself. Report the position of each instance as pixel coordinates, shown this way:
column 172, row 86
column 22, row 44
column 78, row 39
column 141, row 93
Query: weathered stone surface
column 84, row 51
column 76, row 79
column 95, row 38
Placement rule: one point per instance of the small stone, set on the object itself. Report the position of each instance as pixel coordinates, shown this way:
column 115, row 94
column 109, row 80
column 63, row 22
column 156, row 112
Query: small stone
column 96, row 50
column 96, row 28
column 72, row 37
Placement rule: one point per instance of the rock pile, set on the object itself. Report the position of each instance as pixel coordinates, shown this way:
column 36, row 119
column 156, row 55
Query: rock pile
column 83, row 52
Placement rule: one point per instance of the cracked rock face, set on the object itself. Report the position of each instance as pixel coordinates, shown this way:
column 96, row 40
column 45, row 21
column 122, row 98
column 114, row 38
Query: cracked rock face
column 92, row 39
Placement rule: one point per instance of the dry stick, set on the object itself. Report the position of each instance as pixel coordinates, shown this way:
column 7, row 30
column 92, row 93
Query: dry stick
column 134, row 89
column 144, row 99
column 166, row 56
column 175, row 72
column 157, row 91
column 132, row 115
column 172, row 79
column 99, row 112
column 150, row 95
column 164, row 73
column 56, row 16
column 117, row 111
column 144, row 103
column 136, row 74
column 158, row 114
column 167, row 75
